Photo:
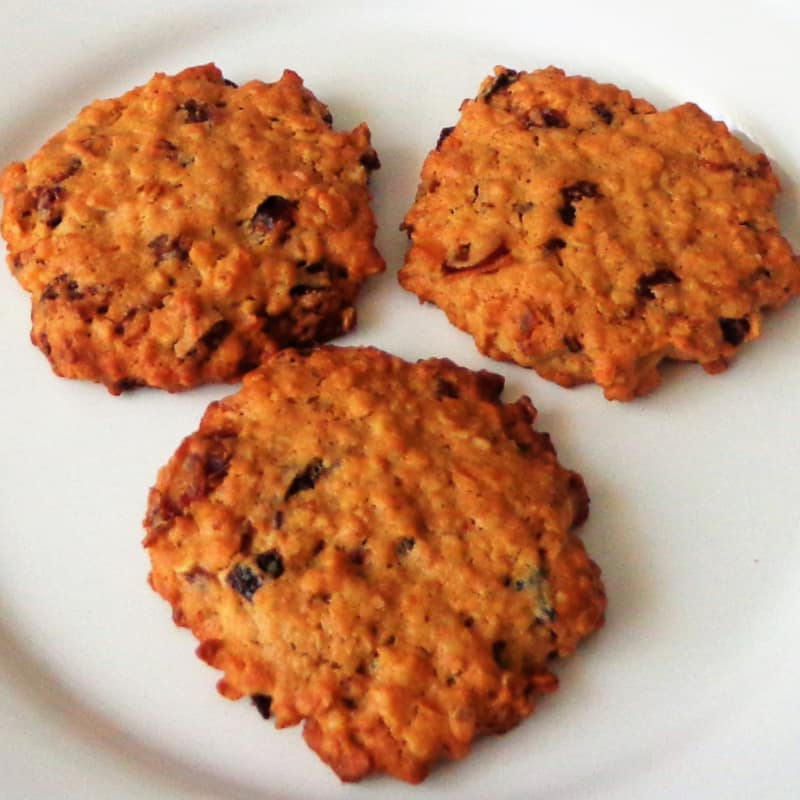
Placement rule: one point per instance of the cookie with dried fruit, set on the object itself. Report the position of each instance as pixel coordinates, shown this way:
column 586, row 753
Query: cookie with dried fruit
column 180, row 234
column 381, row 549
column 574, row 229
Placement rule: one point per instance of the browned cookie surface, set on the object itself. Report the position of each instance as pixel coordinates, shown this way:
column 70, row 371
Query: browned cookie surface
column 183, row 232
column 574, row 229
column 379, row 548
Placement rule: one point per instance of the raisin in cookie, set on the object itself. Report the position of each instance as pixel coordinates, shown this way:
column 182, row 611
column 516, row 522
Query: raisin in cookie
column 181, row 233
column 379, row 548
column 574, row 229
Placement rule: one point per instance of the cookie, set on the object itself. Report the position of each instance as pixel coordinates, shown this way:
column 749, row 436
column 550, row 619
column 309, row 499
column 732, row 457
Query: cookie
column 180, row 234
column 379, row 548
column 574, row 229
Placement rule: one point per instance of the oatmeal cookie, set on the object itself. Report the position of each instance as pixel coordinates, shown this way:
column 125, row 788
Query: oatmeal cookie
column 379, row 548
column 183, row 232
column 574, row 229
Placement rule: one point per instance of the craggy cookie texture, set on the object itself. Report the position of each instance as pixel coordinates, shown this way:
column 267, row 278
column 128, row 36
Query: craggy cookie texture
column 380, row 548
column 181, row 233
column 576, row 230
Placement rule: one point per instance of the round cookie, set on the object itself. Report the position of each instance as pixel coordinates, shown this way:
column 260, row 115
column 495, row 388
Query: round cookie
column 379, row 548
column 574, row 229
column 183, row 232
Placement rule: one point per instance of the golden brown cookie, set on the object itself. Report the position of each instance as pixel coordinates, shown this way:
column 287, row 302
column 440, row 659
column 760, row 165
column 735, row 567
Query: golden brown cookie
column 183, row 232
column 379, row 548
column 574, row 229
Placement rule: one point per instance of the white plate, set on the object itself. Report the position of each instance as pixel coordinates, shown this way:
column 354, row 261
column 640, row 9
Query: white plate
column 689, row 692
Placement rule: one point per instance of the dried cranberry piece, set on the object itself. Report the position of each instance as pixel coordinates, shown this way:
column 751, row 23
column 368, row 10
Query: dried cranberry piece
column 161, row 515
column 573, row 194
column 48, row 199
column 216, row 467
column 165, row 247
column 734, row 331
column 405, row 545
column 307, row 478
column 217, row 461
column 578, row 190
column 71, row 168
column 657, row 277
column 159, row 243
column 446, row 388
column 300, row 290
column 195, row 112
column 554, row 119
column 263, row 702
column 501, row 655
column 573, row 344
column 567, row 214
column 273, row 210
column 216, row 334
column 370, row 161
column 48, row 196
column 603, row 112
column 501, row 81
column 64, row 286
column 332, row 270
column 243, row 580
column 51, row 291
column 487, row 264
column 271, row 563
column 167, row 149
